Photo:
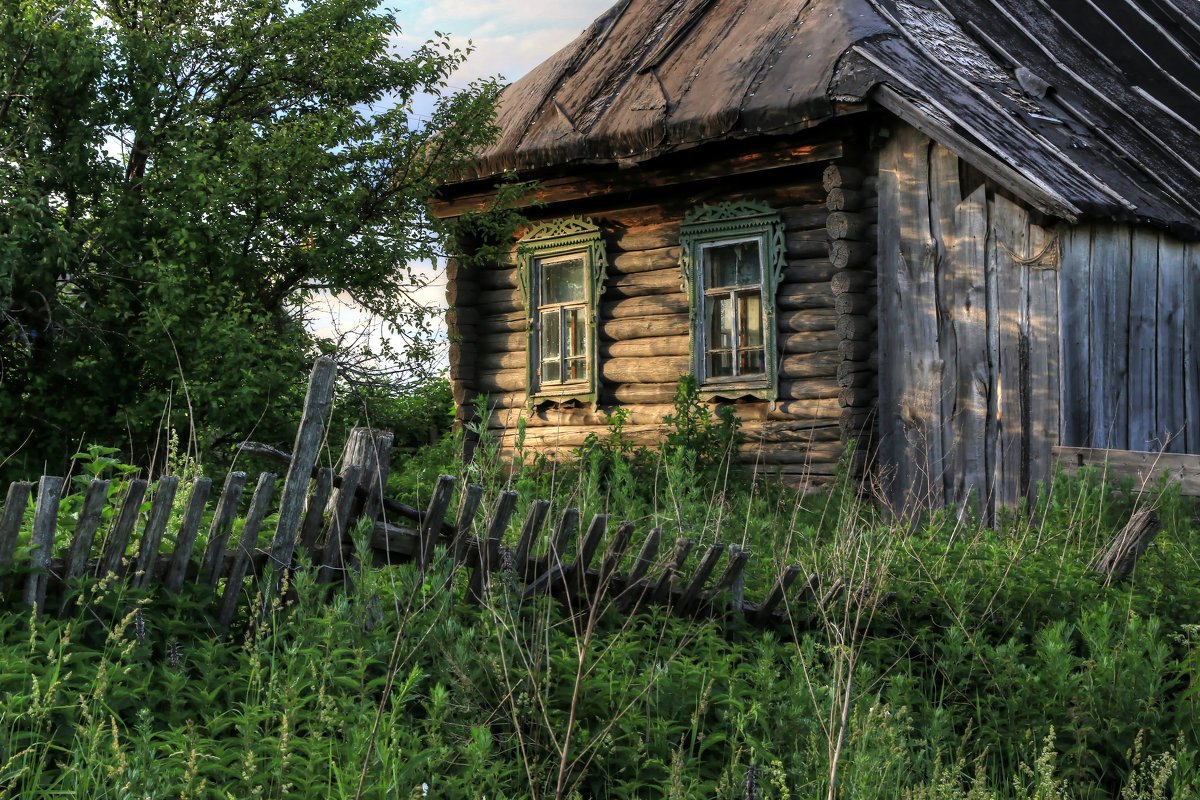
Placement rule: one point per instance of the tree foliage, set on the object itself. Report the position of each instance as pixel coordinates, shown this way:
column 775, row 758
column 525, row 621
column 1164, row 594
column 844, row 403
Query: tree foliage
column 178, row 177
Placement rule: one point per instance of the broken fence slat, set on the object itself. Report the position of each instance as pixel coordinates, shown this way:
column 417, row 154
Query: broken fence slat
column 615, row 553
column 696, row 585
column 245, row 547
column 189, row 528
column 317, row 402
column 156, row 524
column 536, row 519
column 45, row 519
column 553, row 569
column 466, row 515
column 587, row 551
column 439, row 504
column 335, row 530
column 778, row 592
column 667, row 579
column 221, row 527
column 732, row 579
column 118, row 538
column 489, row 548
column 85, row 528
column 10, row 523
column 314, row 513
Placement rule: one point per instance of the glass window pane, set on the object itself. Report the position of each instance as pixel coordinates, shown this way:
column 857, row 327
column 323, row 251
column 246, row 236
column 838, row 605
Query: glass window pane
column 549, row 343
column 732, row 264
column 750, row 323
column 577, row 332
column 750, row 362
column 563, row 281
column 720, row 364
column 720, row 323
column 576, row 369
column 551, row 371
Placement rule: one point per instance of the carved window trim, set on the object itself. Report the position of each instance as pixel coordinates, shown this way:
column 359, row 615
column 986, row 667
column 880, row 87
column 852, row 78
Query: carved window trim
column 730, row 223
column 555, row 240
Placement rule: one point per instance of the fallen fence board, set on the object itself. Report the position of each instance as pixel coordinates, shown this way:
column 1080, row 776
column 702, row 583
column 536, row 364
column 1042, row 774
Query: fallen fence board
column 1144, row 468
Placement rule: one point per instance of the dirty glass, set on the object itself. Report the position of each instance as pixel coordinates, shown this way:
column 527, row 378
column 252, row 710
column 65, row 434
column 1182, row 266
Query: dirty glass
column 734, row 264
column 563, row 281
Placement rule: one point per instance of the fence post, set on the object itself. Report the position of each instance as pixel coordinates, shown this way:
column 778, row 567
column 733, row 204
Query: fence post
column 45, row 520
column 317, row 403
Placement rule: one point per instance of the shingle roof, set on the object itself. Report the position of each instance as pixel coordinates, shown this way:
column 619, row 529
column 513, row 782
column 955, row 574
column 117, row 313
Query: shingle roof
column 1089, row 107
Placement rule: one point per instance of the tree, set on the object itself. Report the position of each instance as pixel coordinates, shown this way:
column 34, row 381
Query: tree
column 178, row 177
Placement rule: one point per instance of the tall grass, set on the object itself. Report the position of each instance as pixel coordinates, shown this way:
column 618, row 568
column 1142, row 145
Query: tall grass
column 941, row 658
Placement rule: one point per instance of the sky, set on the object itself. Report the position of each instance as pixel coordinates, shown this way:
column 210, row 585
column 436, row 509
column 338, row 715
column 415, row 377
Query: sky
column 509, row 37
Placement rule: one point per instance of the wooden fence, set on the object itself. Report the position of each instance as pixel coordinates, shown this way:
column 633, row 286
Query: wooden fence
column 317, row 509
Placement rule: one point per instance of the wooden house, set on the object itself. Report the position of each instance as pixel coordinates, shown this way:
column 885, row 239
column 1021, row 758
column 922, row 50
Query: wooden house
column 958, row 232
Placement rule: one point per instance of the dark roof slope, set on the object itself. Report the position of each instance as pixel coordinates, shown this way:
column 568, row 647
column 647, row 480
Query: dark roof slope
column 1085, row 107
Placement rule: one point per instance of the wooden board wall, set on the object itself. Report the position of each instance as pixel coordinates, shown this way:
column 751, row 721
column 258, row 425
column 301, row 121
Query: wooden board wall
column 825, row 313
column 1131, row 339
column 969, row 364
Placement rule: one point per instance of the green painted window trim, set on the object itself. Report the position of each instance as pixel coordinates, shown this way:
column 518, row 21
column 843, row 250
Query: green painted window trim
column 730, row 222
column 544, row 240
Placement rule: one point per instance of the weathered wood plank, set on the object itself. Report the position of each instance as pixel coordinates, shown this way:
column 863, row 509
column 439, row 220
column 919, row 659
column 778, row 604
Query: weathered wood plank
column 1191, row 352
column 1075, row 284
column 45, row 520
column 1171, row 363
column 152, row 534
column 1044, row 365
column 317, row 402
column 246, row 545
column 1145, row 469
column 220, row 528
column 1109, row 356
column 530, row 531
column 334, row 538
column 118, row 538
column 1144, row 431
column 471, row 501
column 614, row 554
column 189, row 527
column 669, row 577
column 314, row 511
column 85, row 528
column 15, row 503
column 489, row 549
column 1010, row 224
column 695, row 586
column 439, row 504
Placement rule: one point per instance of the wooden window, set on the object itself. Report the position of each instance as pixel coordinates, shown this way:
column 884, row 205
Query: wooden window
column 562, row 268
column 732, row 256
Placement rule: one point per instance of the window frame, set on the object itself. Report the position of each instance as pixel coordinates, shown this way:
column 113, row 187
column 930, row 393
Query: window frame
column 712, row 226
column 548, row 242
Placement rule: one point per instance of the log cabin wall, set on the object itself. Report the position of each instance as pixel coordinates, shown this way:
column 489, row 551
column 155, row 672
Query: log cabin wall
column 824, row 313
column 969, row 354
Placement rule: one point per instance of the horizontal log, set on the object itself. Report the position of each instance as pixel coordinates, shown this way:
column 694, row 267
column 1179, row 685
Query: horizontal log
column 633, row 261
column 790, row 453
column 647, row 237
column 842, row 199
column 802, row 246
column 856, row 328
column 645, row 306
column 461, row 316
column 491, row 362
column 844, row 225
column 499, row 300
column 806, row 410
column 852, row 281
column 852, row 350
column 503, row 342
column 858, row 396
column 810, row 365
column 644, row 327
column 495, row 278
column 501, row 323
column 840, row 176
column 663, row 369
column 815, row 319
column 845, row 253
column 514, row 400
column 642, row 348
column 504, row 380
column 806, row 217
column 803, row 435
column 642, row 284
column 855, row 304
column 813, row 342
column 811, row 389
column 641, row 393
column 461, row 292
column 863, row 378
column 794, row 296
column 813, row 270
column 856, row 418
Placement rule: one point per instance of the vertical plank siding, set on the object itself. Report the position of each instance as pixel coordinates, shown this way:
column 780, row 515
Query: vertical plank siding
column 1131, row 383
column 969, row 370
